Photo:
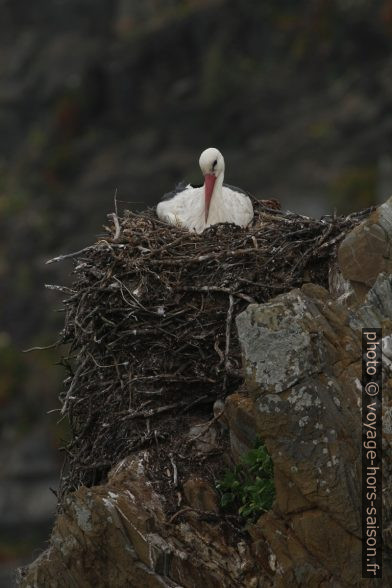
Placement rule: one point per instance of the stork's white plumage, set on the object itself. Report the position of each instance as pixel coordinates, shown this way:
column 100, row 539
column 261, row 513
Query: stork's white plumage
column 198, row 207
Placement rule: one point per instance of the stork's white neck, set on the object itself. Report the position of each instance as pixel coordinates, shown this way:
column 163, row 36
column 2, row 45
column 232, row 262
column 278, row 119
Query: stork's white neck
column 216, row 200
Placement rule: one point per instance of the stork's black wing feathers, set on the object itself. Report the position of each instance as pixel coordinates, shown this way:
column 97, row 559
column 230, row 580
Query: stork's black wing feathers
column 179, row 188
column 235, row 189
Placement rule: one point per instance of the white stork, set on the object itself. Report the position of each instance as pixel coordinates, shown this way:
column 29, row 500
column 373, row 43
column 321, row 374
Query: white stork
column 199, row 207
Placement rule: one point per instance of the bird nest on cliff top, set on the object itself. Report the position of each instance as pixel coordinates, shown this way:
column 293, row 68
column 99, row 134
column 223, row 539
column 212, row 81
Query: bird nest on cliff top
column 149, row 324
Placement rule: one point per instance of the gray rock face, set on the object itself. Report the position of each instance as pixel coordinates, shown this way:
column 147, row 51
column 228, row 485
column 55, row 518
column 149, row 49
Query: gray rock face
column 367, row 250
column 377, row 306
column 279, row 349
column 302, row 358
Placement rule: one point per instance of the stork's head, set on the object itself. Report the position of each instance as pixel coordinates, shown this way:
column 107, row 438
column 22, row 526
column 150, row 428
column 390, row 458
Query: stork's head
column 212, row 166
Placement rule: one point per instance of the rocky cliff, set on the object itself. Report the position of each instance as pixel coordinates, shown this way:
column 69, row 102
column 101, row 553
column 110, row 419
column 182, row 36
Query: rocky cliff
column 302, row 395
column 96, row 97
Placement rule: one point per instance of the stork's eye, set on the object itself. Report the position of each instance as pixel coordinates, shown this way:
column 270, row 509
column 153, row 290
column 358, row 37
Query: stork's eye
column 214, row 164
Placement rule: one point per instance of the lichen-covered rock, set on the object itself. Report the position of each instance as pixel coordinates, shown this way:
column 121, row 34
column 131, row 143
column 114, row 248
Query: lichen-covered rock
column 367, row 250
column 275, row 330
column 117, row 536
column 308, row 411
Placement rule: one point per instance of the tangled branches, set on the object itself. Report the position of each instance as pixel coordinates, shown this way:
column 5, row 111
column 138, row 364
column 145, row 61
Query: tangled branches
column 150, row 323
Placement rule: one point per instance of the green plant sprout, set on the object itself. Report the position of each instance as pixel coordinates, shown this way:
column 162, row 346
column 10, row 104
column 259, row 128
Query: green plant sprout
column 249, row 487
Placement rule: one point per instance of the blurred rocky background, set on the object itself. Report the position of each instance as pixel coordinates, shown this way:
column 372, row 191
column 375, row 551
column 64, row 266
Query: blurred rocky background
column 105, row 97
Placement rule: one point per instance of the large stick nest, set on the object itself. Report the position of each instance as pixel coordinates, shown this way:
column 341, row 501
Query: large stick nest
column 150, row 323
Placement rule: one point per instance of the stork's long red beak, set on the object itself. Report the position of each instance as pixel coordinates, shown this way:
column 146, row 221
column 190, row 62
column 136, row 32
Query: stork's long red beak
column 209, row 183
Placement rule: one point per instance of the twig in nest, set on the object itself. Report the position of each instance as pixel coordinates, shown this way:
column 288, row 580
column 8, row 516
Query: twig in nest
column 180, row 512
column 115, row 202
column 44, row 348
column 69, row 255
column 117, row 232
column 73, row 386
column 63, row 289
column 153, row 412
column 228, row 331
column 202, row 399
column 175, row 472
